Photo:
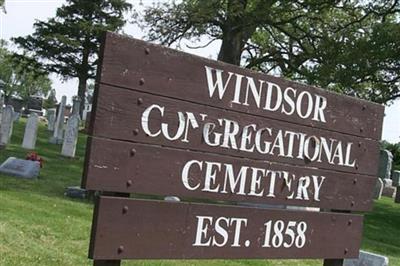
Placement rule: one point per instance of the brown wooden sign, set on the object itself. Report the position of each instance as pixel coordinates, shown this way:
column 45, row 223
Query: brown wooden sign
column 138, row 65
column 172, row 123
column 124, row 167
column 169, row 123
column 138, row 229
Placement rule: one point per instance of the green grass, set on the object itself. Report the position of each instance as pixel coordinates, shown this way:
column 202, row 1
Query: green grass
column 40, row 226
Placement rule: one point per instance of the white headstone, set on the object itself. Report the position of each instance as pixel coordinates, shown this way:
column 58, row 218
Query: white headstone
column 378, row 189
column 71, row 136
column 367, row 259
column 59, row 125
column 6, row 126
column 16, row 116
column 51, row 119
column 30, row 134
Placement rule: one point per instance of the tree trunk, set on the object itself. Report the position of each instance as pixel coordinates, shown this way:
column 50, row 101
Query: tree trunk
column 234, row 35
column 81, row 92
column 231, row 47
column 84, row 75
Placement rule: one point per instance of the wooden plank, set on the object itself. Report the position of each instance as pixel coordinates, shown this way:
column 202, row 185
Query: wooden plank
column 139, row 65
column 147, row 169
column 120, row 115
column 139, row 229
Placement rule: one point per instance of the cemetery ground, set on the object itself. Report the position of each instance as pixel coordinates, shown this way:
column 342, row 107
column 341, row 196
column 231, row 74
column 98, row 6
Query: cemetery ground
column 40, row 226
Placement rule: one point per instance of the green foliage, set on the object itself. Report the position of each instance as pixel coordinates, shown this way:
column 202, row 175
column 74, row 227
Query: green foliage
column 51, row 100
column 68, row 44
column 352, row 47
column 21, row 78
column 394, row 148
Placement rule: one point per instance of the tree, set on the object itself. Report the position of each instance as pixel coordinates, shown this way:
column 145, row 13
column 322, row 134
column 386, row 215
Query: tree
column 20, row 79
column 2, row 2
column 69, row 43
column 51, row 100
column 348, row 46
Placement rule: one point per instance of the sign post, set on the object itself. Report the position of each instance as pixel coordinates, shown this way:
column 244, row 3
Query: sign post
column 169, row 123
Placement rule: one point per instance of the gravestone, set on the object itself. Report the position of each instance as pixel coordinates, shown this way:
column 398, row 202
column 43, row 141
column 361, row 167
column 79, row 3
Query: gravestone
column 71, row 136
column 389, row 191
column 385, row 164
column 76, row 105
column 87, row 121
column 367, row 259
column 16, row 116
column 6, row 126
column 30, row 134
column 396, row 178
column 172, row 199
column 58, row 133
column 51, row 119
column 20, row 168
column 378, row 189
column 396, row 183
column 76, row 192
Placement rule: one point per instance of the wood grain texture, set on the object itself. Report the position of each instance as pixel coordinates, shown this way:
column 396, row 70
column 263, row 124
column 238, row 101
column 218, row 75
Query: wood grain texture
column 138, row 229
column 156, row 170
column 118, row 116
column 167, row 72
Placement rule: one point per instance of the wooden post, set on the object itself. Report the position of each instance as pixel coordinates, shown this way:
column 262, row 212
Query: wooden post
column 333, row 262
column 106, row 263
column 110, row 262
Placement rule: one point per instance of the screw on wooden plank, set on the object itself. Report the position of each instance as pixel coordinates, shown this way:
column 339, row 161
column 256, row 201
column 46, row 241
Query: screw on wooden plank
column 139, row 101
column 120, row 249
column 129, row 183
column 125, row 209
column 141, row 81
column 133, row 152
column 135, row 131
column 354, row 181
column 349, row 222
column 147, row 51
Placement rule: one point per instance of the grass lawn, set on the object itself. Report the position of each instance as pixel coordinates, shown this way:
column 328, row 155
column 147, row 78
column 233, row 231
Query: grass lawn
column 40, row 226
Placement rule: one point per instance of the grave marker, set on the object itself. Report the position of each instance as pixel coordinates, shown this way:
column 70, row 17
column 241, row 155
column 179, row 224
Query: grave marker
column 30, row 134
column 76, row 104
column 20, row 168
column 6, row 126
column 51, row 119
column 58, row 133
column 168, row 123
column 385, row 164
column 71, row 136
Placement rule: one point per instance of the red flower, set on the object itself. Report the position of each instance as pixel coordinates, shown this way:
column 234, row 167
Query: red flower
column 33, row 156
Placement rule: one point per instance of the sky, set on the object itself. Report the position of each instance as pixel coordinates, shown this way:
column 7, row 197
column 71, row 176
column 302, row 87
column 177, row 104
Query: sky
column 21, row 14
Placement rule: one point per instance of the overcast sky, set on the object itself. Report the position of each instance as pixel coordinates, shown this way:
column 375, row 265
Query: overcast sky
column 21, row 15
